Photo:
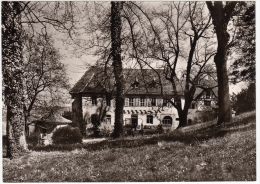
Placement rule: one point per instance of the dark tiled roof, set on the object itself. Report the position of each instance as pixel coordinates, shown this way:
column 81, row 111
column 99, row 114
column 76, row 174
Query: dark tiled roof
column 54, row 118
column 84, row 80
column 199, row 92
column 96, row 81
column 148, row 82
column 206, row 83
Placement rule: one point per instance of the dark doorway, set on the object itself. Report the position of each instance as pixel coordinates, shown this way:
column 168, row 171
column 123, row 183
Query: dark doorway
column 134, row 121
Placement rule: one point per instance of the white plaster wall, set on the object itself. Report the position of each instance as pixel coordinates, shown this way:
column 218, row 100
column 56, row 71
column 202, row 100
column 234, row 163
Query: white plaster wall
column 87, row 107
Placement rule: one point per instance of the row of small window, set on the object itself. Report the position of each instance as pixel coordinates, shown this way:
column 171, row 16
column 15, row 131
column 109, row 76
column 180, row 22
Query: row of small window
column 134, row 118
column 149, row 119
column 144, row 102
column 206, row 94
column 205, row 102
column 94, row 101
column 167, row 120
column 137, row 102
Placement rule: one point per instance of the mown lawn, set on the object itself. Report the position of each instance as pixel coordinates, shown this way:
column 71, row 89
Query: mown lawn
column 198, row 153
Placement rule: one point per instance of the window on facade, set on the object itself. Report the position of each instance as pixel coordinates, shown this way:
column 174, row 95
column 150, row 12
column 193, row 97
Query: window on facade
column 142, row 102
column 44, row 131
column 165, row 101
column 94, row 100
column 149, row 119
column 126, row 102
column 135, row 85
column 108, row 101
column 152, row 84
column 193, row 106
column 207, row 103
column 148, row 101
column 167, row 120
column 131, row 102
column 134, row 119
column 153, row 101
column 208, row 94
column 108, row 119
column 137, row 102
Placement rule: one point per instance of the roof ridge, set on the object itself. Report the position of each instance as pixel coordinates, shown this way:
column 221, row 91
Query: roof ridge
column 78, row 81
column 88, row 82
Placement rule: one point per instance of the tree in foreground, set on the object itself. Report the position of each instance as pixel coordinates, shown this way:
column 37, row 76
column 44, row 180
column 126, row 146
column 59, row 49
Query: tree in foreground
column 12, row 78
column 221, row 14
column 116, row 27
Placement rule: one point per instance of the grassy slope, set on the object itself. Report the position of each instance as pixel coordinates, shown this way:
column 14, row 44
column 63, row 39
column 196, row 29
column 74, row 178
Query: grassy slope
column 199, row 153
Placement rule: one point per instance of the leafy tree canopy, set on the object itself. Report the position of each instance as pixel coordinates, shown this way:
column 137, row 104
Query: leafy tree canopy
column 243, row 69
column 245, row 100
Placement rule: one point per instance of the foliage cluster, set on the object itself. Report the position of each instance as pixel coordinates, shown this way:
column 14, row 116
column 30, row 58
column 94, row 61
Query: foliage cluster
column 205, row 116
column 245, row 100
column 67, row 135
column 243, row 69
column 106, row 130
column 95, row 120
column 32, row 139
column 67, row 115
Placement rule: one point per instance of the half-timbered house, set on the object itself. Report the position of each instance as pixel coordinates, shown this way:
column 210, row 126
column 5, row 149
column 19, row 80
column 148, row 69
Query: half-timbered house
column 145, row 92
column 205, row 99
column 145, row 97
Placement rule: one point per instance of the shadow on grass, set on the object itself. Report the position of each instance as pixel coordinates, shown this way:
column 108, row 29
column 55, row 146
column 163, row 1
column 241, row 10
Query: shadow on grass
column 187, row 137
column 214, row 131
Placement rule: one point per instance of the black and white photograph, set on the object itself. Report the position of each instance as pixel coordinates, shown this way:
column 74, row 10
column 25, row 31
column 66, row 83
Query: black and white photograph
column 128, row 91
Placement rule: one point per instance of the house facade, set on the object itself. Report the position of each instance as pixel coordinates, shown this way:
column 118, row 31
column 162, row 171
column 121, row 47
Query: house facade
column 205, row 99
column 139, row 110
column 145, row 98
column 146, row 93
column 205, row 103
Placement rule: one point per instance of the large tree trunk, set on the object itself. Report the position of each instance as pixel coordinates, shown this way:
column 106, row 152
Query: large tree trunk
column 221, row 16
column 224, row 111
column 183, row 113
column 220, row 59
column 182, row 118
column 26, row 117
column 12, row 78
column 116, row 26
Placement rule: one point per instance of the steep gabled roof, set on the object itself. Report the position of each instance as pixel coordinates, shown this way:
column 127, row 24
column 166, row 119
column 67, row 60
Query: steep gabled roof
column 84, row 80
column 137, row 82
column 149, row 82
column 51, row 120
column 206, row 83
column 199, row 92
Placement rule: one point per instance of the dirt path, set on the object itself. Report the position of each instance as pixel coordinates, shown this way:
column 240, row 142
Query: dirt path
column 93, row 140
